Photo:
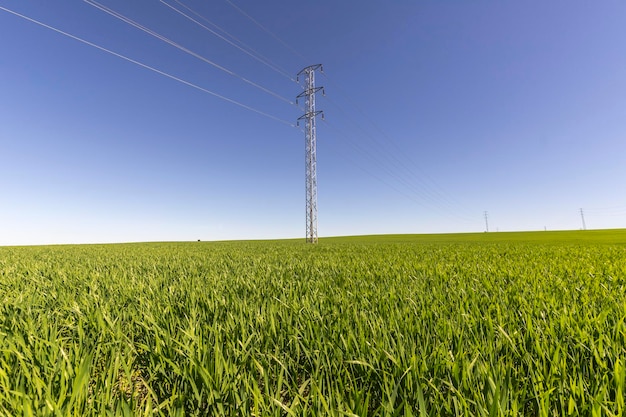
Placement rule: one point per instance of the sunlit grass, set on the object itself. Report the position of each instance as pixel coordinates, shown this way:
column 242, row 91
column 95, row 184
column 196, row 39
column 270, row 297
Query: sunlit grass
column 485, row 324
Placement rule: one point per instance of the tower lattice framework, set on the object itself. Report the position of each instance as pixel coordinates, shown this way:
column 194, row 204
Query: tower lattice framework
column 310, row 148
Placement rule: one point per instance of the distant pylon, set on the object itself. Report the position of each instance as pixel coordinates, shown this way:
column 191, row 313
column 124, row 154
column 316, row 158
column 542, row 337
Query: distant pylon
column 582, row 216
column 310, row 146
column 486, row 221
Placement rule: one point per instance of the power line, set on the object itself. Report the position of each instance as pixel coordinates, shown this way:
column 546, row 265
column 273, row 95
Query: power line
column 406, row 170
column 276, row 37
column 398, row 168
column 408, row 166
column 607, row 211
column 355, row 146
column 148, row 67
column 425, row 200
column 237, row 43
column 391, row 168
column 182, row 48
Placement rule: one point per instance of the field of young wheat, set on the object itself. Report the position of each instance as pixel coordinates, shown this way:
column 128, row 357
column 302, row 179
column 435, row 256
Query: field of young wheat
column 482, row 325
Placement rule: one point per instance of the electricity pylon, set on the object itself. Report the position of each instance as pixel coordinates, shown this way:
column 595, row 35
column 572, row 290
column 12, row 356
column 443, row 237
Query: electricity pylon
column 582, row 216
column 310, row 146
column 486, row 221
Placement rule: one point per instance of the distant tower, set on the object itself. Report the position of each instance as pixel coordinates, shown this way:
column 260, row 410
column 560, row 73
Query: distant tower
column 310, row 145
column 486, row 222
column 582, row 216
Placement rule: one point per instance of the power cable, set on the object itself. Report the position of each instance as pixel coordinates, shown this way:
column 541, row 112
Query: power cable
column 426, row 200
column 182, row 48
column 370, row 173
column 614, row 211
column 423, row 176
column 276, row 37
column 237, row 43
column 148, row 67
column 398, row 165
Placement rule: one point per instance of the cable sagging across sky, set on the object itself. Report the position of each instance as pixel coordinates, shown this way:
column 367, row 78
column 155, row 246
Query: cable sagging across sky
column 148, row 67
column 419, row 196
column 269, row 32
column 235, row 42
column 399, row 158
column 182, row 48
column 379, row 155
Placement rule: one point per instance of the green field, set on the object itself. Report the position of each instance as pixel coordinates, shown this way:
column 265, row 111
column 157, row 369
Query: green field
column 410, row 325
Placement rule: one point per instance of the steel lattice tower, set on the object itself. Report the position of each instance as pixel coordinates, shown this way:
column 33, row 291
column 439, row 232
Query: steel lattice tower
column 310, row 146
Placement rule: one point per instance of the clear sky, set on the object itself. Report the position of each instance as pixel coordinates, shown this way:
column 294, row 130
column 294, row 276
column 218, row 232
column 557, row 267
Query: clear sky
column 435, row 113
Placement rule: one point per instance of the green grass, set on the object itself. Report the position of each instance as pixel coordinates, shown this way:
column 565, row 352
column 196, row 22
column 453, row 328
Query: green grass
column 488, row 324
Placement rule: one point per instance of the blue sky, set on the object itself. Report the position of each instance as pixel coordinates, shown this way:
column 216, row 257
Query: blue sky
column 435, row 112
